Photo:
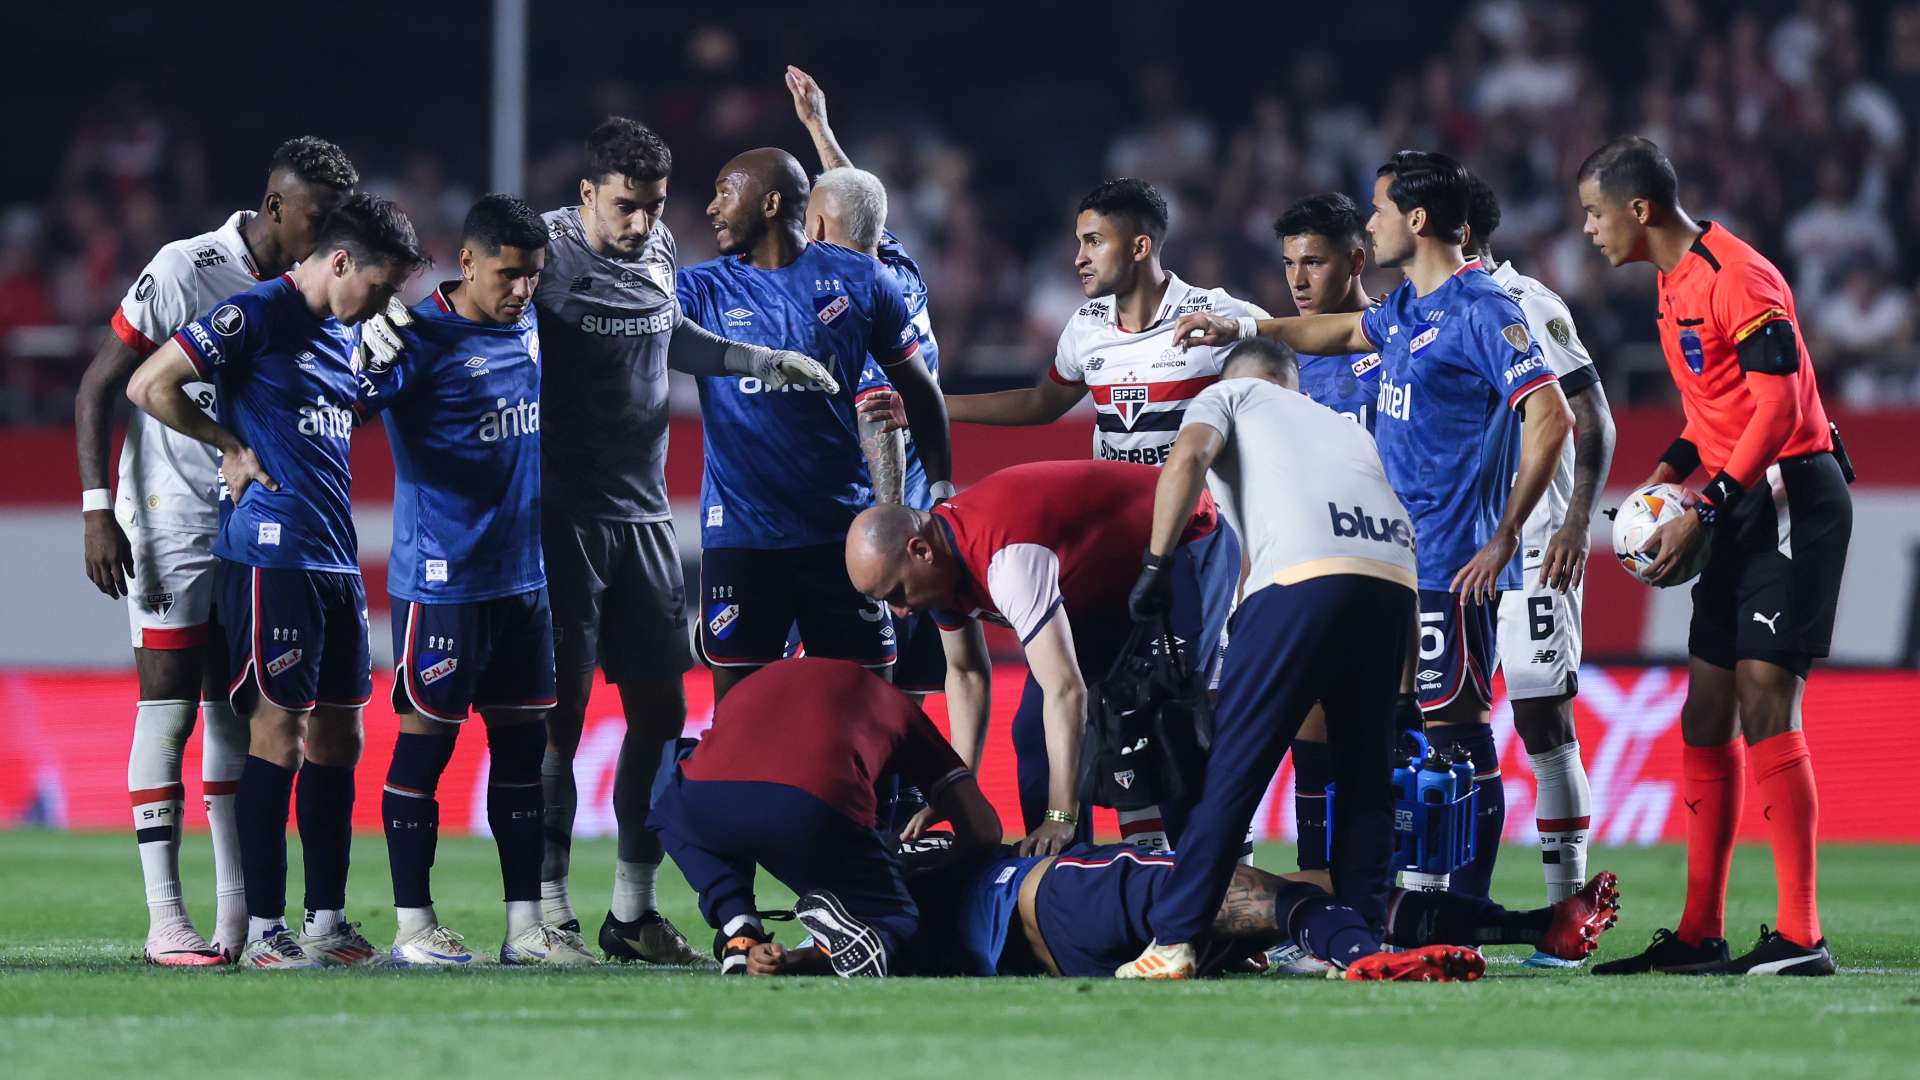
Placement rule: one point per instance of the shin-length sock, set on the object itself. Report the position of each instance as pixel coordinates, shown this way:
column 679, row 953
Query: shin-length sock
column 324, row 805
column 1435, row 918
column 260, row 805
column 514, row 802
column 1490, row 816
column 1563, row 813
column 639, row 853
column 1713, row 789
column 1312, row 772
column 410, row 814
column 160, row 730
column 1783, row 771
column 223, row 753
column 559, row 802
column 1323, row 926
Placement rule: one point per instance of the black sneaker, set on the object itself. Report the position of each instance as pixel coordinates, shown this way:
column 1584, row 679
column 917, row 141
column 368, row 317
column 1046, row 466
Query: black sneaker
column 852, row 946
column 1668, row 954
column 571, row 926
column 649, row 939
column 1775, row 955
column 731, row 952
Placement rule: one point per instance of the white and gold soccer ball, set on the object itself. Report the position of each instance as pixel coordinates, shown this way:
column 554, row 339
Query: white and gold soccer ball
column 1639, row 515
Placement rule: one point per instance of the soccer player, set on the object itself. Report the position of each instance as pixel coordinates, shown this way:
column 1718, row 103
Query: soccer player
column 472, row 628
column 1047, row 549
column 1777, row 507
column 1539, row 626
column 611, row 327
column 848, row 207
column 1457, row 368
column 784, row 473
column 154, row 546
column 1323, row 251
column 290, row 597
column 1082, row 912
column 1325, row 616
column 785, row 780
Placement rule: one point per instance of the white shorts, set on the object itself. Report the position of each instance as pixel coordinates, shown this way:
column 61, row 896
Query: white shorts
column 1539, row 640
column 170, row 595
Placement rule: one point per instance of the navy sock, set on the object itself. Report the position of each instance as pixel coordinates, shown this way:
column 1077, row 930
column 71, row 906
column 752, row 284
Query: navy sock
column 1322, row 925
column 324, row 806
column 1312, row 772
column 1428, row 918
column 514, row 805
column 1476, row 878
column 410, row 814
column 260, row 812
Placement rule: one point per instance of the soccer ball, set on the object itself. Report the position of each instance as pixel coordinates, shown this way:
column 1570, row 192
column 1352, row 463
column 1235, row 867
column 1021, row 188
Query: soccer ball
column 1643, row 512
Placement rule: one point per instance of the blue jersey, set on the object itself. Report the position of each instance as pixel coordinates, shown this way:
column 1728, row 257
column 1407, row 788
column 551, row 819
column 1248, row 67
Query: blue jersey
column 784, row 468
column 906, row 273
column 966, row 913
column 462, row 409
column 1346, row 384
column 1455, row 365
column 286, row 386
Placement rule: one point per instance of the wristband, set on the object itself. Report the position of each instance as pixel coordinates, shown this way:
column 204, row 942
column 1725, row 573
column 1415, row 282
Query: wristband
column 1249, row 327
column 95, row 499
column 1153, row 562
column 1064, row 817
column 1682, row 457
column 940, row 490
column 1719, row 495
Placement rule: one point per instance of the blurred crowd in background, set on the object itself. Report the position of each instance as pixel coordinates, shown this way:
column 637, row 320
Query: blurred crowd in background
column 1792, row 122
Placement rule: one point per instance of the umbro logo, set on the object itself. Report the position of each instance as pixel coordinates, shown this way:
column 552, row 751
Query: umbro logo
column 737, row 316
column 477, row 365
column 1429, row 675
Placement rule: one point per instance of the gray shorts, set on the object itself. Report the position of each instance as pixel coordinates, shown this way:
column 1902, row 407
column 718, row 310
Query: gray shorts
column 619, row 597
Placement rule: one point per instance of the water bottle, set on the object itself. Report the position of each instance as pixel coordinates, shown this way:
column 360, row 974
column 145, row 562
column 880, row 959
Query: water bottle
column 1462, row 772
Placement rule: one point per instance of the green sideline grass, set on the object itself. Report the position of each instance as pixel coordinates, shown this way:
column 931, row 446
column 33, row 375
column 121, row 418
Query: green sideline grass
column 76, row 1002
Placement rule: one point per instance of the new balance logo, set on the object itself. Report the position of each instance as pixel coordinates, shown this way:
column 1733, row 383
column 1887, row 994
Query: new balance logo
column 1546, row 656
column 1768, row 621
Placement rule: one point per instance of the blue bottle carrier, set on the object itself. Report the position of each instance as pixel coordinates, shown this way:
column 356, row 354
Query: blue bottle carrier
column 1428, row 837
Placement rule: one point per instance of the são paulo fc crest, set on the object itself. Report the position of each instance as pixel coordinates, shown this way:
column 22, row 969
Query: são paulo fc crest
column 1128, row 401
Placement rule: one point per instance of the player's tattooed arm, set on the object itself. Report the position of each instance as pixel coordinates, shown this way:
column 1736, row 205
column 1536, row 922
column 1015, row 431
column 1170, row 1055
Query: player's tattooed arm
column 158, row 387
column 884, row 447
column 926, row 410
column 810, row 105
column 1248, row 910
column 108, row 555
column 1565, row 565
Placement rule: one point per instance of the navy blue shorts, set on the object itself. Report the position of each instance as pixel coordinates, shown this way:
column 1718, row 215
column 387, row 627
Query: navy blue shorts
column 298, row 638
column 1457, row 652
column 486, row 655
column 920, row 666
column 1093, row 906
column 750, row 598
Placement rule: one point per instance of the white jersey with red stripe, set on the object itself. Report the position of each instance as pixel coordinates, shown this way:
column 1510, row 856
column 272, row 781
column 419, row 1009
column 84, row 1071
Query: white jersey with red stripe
column 168, row 480
column 1140, row 379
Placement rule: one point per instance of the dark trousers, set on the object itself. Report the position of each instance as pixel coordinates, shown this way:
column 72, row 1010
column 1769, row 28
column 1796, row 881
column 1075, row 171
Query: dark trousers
column 1341, row 641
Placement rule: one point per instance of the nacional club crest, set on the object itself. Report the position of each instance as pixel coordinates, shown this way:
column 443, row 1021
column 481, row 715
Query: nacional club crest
column 1128, row 402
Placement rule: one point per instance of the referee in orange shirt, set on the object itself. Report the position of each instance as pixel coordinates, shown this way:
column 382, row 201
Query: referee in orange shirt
column 1777, row 507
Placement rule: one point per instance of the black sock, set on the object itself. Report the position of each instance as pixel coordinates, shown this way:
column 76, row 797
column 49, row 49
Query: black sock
column 410, row 814
column 260, row 811
column 1312, row 772
column 560, row 798
column 1323, row 926
column 514, row 803
column 1490, row 817
column 1427, row 918
column 633, row 774
column 324, row 805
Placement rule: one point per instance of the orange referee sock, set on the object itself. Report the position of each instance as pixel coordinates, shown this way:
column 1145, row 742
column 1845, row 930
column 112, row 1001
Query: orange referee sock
column 1783, row 770
column 1712, row 788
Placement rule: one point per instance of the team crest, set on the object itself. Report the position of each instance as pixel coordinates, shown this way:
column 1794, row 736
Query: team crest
column 1125, row 779
column 158, row 602
column 1517, row 336
column 721, row 619
column 831, row 308
column 433, row 674
column 1560, row 331
column 1365, row 364
column 1422, row 339
column 282, row 662
column 1128, row 401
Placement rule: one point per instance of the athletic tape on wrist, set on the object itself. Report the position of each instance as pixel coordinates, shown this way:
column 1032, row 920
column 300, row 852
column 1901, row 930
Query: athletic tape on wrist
column 95, row 499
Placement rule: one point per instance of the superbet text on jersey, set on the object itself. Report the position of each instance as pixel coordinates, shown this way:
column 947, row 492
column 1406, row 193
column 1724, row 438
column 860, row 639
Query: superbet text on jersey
column 1141, row 380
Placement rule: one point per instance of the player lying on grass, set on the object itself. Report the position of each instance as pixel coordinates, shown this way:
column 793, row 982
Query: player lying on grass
column 1083, row 913
column 785, row 780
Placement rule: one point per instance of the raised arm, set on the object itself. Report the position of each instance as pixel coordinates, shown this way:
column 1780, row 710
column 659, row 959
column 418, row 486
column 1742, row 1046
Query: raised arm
column 810, row 105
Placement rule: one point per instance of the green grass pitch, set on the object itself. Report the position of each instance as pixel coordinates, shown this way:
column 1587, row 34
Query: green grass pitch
column 76, row 1002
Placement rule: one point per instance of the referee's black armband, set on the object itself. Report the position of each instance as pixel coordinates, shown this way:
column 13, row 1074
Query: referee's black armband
column 1682, row 457
column 1774, row 349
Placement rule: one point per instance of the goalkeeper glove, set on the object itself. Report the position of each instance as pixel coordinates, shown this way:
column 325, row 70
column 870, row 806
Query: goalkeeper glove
column 1152, row 593
column 783, row 366
column 380, row 340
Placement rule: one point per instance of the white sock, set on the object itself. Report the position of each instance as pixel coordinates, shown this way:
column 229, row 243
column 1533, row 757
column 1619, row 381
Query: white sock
column 324, row 921
column 744, row 922
column 554, row 905
column 160, row 730
column 1563, row 812
column 522, row 915
column 223, row 753
column 1413, row 882
column 633, row 889
column 258, row 928
column 1143, row 829
column 413, row 920
column 1246, row 847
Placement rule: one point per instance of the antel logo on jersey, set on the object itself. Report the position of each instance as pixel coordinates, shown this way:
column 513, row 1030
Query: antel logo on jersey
column 143, row 289
column 506, row 421
column 228, row 321
column 1395, row 401
column 1423, row 339
column 1531, row 363
column 738, row 316
column 1127, row 401
column 326, row 421
column 657, row 323
column 834, row 308
column 431, row 675
column 282, row 662
column 1358, row 524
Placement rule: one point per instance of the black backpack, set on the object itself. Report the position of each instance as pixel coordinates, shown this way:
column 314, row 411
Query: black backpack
column 1149, row 725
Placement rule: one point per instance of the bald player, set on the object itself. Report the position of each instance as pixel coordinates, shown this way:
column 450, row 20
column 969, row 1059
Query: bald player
column 784, row 474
